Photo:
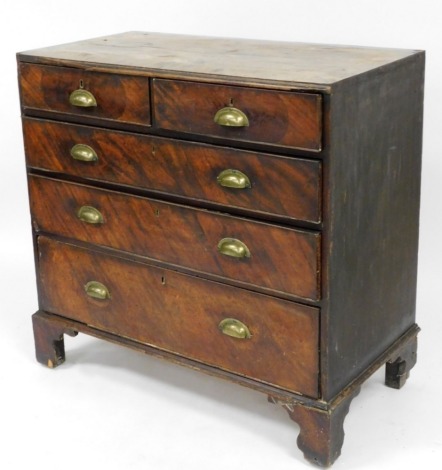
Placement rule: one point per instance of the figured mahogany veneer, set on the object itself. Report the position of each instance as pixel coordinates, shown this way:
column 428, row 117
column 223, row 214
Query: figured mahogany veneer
column 181, row 314
column 246, row 208
column 120, row 98
column 281, row 118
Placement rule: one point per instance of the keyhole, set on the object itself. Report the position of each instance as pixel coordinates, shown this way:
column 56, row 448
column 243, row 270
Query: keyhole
column 153, row 150
column 157, row 212
column 81, row 84
column 163, row 280
column 231, row 102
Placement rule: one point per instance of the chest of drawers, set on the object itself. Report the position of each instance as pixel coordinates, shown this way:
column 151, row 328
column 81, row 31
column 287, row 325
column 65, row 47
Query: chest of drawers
column 246, row 208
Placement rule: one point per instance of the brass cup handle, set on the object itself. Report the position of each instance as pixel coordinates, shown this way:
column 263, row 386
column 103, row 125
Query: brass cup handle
column 231, row 117
column 234, row 248
column 233, row 179
column 234, row 328
column 82, row 98
column 90, row 215
column 97, row 290
column 83, row 153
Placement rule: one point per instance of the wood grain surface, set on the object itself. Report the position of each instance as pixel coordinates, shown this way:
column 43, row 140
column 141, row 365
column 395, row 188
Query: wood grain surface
column 181, row 313
column 371, row 218
column 275, row 117
column 222, row 59
column 120, row 98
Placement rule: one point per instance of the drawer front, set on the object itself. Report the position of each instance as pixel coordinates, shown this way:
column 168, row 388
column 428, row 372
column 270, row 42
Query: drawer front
column 182, row 314
column 286, row 187
column 280, row 118
column 121, row 98
column 276, row 259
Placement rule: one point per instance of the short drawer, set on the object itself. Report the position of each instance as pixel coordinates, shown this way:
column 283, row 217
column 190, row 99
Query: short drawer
column 259, row 183
column 286, row 119
column 81, row 93
column 263, row 256
column 184, row 315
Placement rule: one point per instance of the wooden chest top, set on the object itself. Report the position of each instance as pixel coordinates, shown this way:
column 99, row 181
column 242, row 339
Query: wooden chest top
column 210, row 58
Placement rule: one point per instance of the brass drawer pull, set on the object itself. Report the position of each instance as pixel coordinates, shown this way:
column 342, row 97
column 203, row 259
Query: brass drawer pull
column 97, row 290
column 234, row 328
column 82, row 98
column 231, row 117
column 233, row 247
column 233, row 179
column 90, row 215
column 83, row 153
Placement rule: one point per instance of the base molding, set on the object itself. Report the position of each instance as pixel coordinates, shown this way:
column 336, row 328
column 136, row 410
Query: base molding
column 321, row 422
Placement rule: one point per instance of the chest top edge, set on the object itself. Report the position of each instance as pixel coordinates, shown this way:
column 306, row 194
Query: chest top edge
column 265, row 63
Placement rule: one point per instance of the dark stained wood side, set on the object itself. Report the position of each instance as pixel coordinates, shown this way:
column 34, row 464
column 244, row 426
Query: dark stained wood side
column 180, row 313
column 287, row 187
column 286, row 119
column 397, row 368
column 282, row 260
column 119, row 97
column 371, row 217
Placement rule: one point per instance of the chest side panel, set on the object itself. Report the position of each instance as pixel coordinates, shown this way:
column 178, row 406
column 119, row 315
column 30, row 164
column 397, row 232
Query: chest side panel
column 372, row 178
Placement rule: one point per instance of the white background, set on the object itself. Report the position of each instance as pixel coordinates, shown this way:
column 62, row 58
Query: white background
column 111, row 408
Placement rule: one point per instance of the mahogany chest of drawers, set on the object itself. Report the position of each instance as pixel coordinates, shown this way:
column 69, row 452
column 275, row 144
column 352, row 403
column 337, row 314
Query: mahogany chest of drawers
column 246, row 208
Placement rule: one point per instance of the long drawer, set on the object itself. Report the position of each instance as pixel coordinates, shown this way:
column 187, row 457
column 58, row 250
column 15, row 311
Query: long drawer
column 255, row 182
column 188, row 316
column 269, row 257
